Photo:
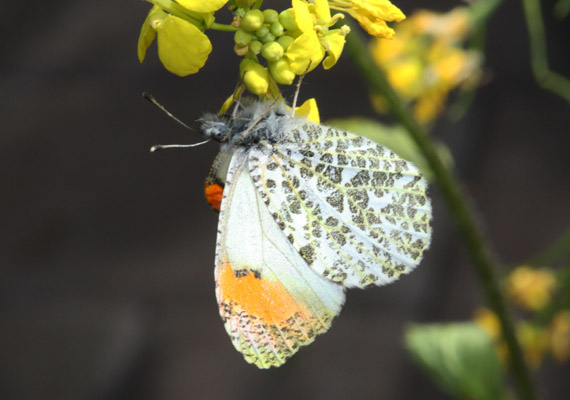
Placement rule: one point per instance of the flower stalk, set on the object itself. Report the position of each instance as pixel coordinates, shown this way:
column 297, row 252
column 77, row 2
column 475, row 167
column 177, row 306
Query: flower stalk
column 483, row 262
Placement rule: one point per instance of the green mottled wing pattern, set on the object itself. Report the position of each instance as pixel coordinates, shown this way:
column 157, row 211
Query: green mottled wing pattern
column 355, row 211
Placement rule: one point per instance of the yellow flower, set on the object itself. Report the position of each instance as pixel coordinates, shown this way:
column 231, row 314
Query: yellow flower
column 426, row 60
column 560, row 336
column 148, row 30
column 202, row 6
column 534, row 342
column 530, row 288
column 371, row 14
column 182, row 48
column 309, row 111
column 308, row 49
column 489, row 322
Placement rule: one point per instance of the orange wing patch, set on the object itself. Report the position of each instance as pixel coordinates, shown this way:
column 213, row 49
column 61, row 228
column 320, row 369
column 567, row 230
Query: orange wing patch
column 214, row 193
column 259, row 298
column 264, row 321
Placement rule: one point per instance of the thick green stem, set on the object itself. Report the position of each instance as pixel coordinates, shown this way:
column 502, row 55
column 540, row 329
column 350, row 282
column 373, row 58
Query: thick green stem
column 483, row 262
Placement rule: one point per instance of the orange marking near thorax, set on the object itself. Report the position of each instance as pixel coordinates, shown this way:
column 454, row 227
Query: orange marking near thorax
column 214, row 194
column 266, row 300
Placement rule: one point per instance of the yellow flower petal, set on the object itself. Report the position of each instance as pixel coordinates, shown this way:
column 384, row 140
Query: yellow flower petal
column 202, row 6
column 530, row 288
column 182, row 47
column 380, row 9
column 230, row 100
column 309, row 111
column 560, row 336
column 303, row 17
column 304, row 50
column 333, row 43
column 377, row 28
column 371, row 14
column 148, row 33
column 323, row 11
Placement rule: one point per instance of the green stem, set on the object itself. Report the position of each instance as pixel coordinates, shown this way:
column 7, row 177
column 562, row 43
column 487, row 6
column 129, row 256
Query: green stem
column 222, row 27
column 483, row 262
column 547, row 79
column 257, row 5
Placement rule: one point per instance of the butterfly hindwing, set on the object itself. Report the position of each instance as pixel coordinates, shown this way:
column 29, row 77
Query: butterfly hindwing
column 355, row 211
column 272, row 303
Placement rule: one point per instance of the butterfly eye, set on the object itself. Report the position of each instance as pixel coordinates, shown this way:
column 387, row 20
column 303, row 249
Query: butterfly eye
column 215, row 130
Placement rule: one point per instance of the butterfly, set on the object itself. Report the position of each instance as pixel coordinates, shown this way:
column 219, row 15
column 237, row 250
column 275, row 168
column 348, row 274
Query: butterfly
column 305, row 212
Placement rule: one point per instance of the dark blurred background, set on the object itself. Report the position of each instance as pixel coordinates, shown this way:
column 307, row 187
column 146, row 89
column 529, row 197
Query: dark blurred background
column 107, row 256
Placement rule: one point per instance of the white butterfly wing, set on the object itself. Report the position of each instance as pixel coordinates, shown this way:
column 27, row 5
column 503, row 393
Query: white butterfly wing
column 271, row 301
column 354, row 210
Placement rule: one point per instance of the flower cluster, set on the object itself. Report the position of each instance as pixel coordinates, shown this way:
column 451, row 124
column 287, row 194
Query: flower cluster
column 531, row 289
column 426, row 60
column 275, row 47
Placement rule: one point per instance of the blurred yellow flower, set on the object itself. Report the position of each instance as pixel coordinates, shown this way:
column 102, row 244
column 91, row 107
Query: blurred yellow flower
column 371, row 14
column 426, row 60
column 534, row 342
column 530, row 288
column 560, row 336
column 489, row 322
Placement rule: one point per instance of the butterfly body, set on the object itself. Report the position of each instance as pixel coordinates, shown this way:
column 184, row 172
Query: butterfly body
column 306, row 212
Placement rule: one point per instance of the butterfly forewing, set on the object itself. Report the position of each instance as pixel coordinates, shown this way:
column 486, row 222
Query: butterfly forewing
column 355, row 211
column 271, row 302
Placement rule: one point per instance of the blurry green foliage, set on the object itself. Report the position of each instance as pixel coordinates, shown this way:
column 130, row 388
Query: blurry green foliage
column 396, row 138
column 460, row 357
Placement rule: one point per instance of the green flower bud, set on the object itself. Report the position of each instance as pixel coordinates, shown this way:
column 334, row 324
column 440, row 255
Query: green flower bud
column 276, row 29
column 281, row 71
column 241, row 50
column 242, row 38
column 244, row 3
column 268, row 38
column 270, row 16
column 261, row 32
column 255, row 47
column 272, row 51
column 252, row 20
column 255, row 76
column 285, row 41
column 287, row 19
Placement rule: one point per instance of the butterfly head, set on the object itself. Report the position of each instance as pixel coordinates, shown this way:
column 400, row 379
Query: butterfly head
column 215, row 127
column 253, row 123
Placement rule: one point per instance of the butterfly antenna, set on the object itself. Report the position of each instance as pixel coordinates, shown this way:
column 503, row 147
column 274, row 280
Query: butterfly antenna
column 263, row 114
column 157, row 147
column 298, row 90
column 150, row 98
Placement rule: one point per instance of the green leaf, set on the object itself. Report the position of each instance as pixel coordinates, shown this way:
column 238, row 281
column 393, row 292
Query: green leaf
column 396, row 139
column 460, row 357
